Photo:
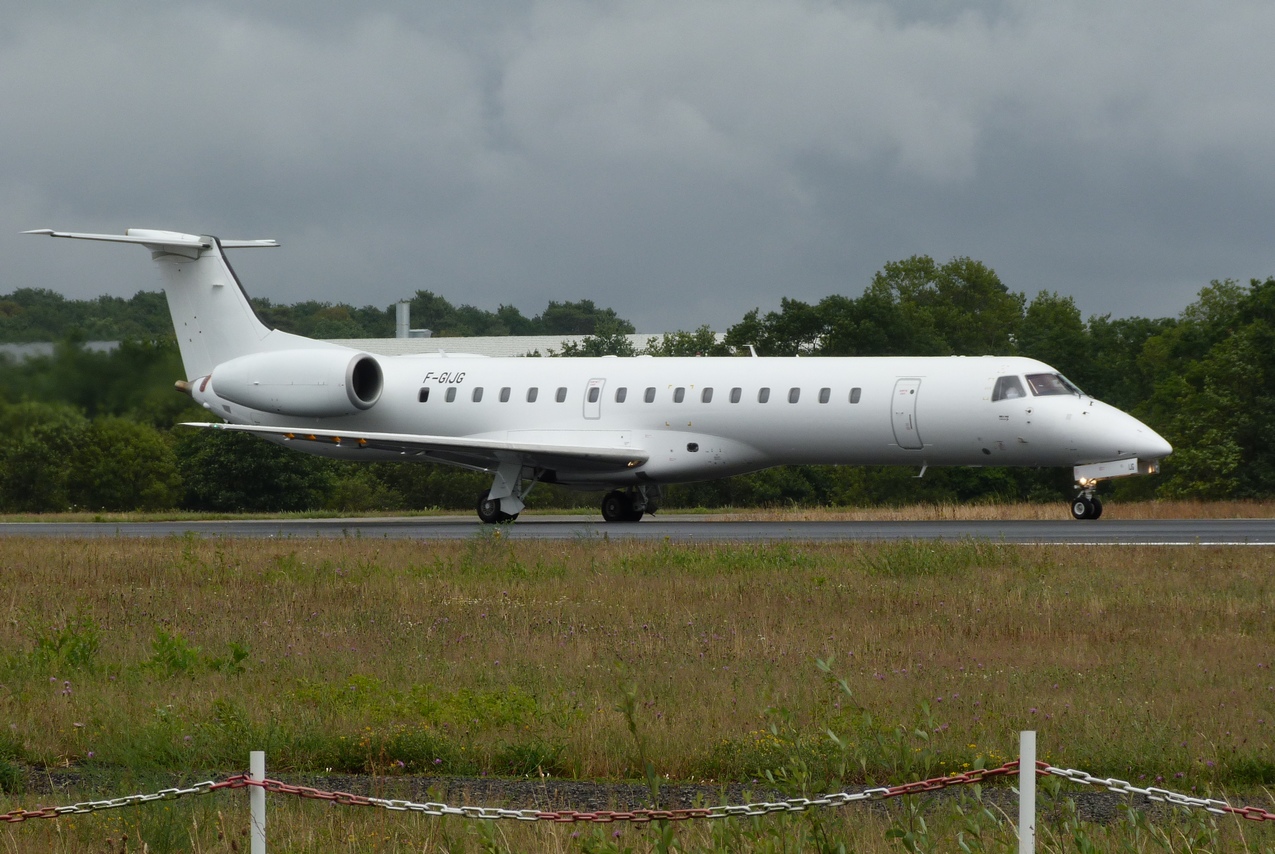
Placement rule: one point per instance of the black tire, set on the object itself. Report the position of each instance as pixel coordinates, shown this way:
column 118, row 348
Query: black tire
column 1082, row 508
column 489, row 511
column 1097, row 508
column 616, row 507
column 632, row 514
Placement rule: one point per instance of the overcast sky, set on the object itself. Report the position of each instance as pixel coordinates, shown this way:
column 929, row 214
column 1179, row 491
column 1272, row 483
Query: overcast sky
column 681, row 162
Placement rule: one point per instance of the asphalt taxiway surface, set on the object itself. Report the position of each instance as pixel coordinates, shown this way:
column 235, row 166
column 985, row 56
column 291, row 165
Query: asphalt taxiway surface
column 1254, row 532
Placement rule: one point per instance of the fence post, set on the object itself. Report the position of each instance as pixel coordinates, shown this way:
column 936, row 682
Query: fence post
column 1027, row 792
column 257, row 801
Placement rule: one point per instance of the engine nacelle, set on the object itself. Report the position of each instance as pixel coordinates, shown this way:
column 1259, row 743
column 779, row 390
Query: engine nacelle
column 306, row 383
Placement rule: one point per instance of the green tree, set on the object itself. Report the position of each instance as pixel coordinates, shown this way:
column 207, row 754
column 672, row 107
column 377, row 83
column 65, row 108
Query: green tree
column 123, row 465
column 580, row 318
column 226, row 471
column 609, row 339
column 960, row 307
column 1218, row 410
column 701, row 342
column 1053, row 332
column 37, row 461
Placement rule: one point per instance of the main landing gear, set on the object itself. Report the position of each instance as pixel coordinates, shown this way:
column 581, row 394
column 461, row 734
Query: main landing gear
column 1086, row 505
column 628, row 505
column 489, row 510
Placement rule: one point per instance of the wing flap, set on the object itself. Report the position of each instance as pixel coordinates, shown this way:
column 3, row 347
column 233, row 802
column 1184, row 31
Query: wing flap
column 473, row 453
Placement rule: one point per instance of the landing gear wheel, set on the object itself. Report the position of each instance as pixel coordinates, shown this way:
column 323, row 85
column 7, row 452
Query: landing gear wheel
column 489, row 510
column 1081, row 508
column 1086, row 507
column 618, row 507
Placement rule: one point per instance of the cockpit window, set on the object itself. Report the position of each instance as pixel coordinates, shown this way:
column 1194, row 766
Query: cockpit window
column 1046, row 384
column 1008, row 388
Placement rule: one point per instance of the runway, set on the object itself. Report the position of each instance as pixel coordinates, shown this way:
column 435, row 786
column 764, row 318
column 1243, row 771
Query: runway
column 691, row 529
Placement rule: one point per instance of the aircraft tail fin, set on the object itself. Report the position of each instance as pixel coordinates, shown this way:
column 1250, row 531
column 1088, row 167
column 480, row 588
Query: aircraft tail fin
column 212, row 316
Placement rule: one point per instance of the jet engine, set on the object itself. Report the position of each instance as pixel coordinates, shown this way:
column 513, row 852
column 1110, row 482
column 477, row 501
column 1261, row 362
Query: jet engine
column 305, row 383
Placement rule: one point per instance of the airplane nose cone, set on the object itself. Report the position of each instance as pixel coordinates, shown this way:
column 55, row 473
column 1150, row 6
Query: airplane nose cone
column 1146, row 443
column 1121, row 436
column 1155, row 446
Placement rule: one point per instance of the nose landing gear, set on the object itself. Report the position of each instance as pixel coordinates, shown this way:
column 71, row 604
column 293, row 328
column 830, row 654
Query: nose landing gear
column 1086, row 505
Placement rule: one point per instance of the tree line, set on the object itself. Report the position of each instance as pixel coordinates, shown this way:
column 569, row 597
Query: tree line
column 95, row 431
column 39, row 314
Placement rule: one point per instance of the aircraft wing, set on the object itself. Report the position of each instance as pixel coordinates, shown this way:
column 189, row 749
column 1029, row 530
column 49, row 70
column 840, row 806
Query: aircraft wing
column 480, row 454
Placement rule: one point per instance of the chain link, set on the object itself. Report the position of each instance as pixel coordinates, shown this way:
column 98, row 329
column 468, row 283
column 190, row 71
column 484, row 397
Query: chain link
column 1113, row 784
column 113, row 803
column 838, row 799
column 639, row 815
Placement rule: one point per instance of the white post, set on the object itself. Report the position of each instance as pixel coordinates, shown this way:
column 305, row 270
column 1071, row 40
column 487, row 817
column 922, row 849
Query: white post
column 1027, row 792
column 257, row 801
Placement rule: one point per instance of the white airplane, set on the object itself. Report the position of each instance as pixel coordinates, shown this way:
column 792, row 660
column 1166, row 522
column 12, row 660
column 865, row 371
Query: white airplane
column 627, row 425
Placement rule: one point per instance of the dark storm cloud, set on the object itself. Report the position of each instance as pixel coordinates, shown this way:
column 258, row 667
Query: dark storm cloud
column 680, row 162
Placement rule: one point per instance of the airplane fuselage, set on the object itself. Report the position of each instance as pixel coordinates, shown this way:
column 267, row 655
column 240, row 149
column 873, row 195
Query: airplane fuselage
column 703, row 418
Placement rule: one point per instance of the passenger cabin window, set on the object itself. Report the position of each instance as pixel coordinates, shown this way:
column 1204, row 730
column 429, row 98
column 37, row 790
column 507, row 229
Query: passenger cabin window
column 532, row 394
column 736, row 394
column 621, row 394
column 854, row 394
column 706, row 396
column 763, row 395
column 1007, row 388
column 561, row 396
column 504, row 394
column 679, row 394
column 451, row 394
column 478, row 394
column 594, row 394
column 794, row 394
column 1047, row 384
column 423, row 396
column 825, row 395
column 649, row 397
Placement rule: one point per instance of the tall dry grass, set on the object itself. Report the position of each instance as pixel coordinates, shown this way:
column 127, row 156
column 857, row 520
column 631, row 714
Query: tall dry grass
column 490, row 656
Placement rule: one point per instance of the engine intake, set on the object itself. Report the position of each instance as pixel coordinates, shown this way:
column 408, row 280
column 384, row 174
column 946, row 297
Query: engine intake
column 306, row 383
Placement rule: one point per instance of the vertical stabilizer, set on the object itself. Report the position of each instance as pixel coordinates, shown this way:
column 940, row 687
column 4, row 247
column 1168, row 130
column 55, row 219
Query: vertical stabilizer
column 211, row 314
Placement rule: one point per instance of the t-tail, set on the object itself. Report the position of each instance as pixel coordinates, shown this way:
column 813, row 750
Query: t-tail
column 211, row 314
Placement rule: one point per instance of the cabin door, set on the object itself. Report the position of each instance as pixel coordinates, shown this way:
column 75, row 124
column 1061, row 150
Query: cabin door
column 593, row 399
column 903, row 413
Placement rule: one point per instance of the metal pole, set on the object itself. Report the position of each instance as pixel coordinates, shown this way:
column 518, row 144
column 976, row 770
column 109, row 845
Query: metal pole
column 1027, row 792
column 257, row 800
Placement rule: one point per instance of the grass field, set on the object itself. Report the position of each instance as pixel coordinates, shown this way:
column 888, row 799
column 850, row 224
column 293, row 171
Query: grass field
column 131, row 659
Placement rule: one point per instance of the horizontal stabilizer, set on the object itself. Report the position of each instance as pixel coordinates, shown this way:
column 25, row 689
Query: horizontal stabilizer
column 157, row 240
